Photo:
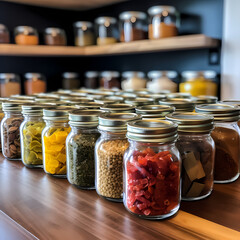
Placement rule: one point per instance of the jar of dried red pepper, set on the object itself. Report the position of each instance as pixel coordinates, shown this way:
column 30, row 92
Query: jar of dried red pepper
column 152, row 167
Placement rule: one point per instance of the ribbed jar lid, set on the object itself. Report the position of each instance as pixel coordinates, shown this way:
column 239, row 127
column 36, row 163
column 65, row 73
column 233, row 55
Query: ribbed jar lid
column 59, row 113
column 22, row 97
column 117, row 99
column 118, row 108
column 205, row 99
column 14, row 106
column 89, row 105
column 140, row 101
column 181, row 105
column 192, row 122
column 158, row 131
column 33, row 110
column 232, row 102
column 160, row 8
column 104, row 101
column 128, row 15
column 179, row 95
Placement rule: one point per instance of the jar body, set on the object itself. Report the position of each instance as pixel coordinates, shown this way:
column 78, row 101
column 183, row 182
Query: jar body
column 80, row 156
column 4, row 34
column 109, row 152
column 54, row 147
column 10, row 135
column 70, row 83
column 55, row 37
column 84, row 36
column 133, row 83
column 10, row 85
column 163, row 83
column 31, row 141
column 1, row 118
column 107, row 33
column 198, row 155
column 91, row 82
column 109, row 82
column 34, row 85
column 25, row 35
column 226, row 138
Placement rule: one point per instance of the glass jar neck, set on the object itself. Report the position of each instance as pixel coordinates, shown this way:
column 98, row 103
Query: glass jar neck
column 78, row 129
column 55, row 123
column 38, row 118
column 113, row 135
column 9, row 114
column 137, row 144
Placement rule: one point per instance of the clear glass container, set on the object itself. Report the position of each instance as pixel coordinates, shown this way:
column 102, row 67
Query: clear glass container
column 91, row 80
column 133, row 80
column 4, row 34
column 133, row 26
column 106, row 30
column 70, row 80
column 109, row 152
column 152, row 166
column 109, row 79
column 55, row 37
column 26, row 35
column 197, row 150
column 164, row 22
column 1, row 118
column 84, row 34
column 34, row 83
column 9, row 84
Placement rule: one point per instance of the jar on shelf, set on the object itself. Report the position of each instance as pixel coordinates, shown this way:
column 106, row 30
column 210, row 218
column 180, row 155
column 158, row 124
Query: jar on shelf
column 180, row 104
column 91, row 80
column 84, row 33
column 34, row 83
column 109, row 79
column 70, row 80
column 1, row 118
column 140, row 101
column 152, row 166
column 54, row 140
column 80, row 148
column 10, row 130
column 133, row 26
column 55, row 37
column 107, row 30
column 26, row 35
column 9, row 84
column 4, row 34
column 164, row 22
column 197, row 151
column 133, row 80
column 199, row 83
column 162, row 80
column 109, row 152
column 118, row 108
column 227, row 139
column 30, row 132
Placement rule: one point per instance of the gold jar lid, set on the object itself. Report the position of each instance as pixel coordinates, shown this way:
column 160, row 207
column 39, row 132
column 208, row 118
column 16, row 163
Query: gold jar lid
column 178, row 95
column 118, row 108
column 181, row 105
column 140, row 101
column 204, row 99
column 231, row 102
column 14, row 105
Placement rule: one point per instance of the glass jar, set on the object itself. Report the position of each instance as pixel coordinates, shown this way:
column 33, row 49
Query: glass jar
column 164, row 21
column 26, row 35
column 34, row 83
column 199, row 83
column 1, row 118
column 30, row 132
column 107, row 30
column 55, row 37
column 109, row 79
column 109, row 151
column 10, row 130
column 133, row 80
column 80, row 148
column 91, row 80
column 9, row 84
column 133, row 26
column 137, row 102
column 84, row 34
column 227, row 140
column 4, row 34
column 197, row 150
column 180, row 104
column 118, row 108
column 162, row 80
column 70, row 80
column 152, row 166
column 54, row 141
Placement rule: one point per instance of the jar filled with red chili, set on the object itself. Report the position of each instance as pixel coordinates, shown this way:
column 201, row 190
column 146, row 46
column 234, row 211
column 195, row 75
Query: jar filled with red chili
column 152, row 167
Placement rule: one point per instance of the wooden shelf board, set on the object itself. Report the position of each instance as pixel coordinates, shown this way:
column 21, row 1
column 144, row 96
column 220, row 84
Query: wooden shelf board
column 168, row 44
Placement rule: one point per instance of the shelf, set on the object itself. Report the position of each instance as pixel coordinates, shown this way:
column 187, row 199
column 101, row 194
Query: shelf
column 168, row 44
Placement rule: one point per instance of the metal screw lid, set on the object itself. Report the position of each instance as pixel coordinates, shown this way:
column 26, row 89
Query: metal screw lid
column 159, row 9
column 80, row 24
column 231, row 102
column 14, row 105
column 204, row 99
column 89, row 105
column 128, row 15
column 106, row 20
column 59, row 113
column 104, row 101
column 181, row 105
column 118, row 108
column 140, row 101
column 179, row 95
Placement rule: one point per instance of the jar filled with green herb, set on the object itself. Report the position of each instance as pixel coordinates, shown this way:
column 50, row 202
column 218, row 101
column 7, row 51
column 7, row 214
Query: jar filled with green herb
column 80, row 145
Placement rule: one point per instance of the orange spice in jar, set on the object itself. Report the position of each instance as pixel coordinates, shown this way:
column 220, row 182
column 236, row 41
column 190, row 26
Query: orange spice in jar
column 34, row 83
column 9, row 84
column 26, row 35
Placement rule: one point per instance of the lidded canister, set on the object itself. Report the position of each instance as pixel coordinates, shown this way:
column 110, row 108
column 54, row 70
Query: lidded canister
column 118, row 108
column 181, row 105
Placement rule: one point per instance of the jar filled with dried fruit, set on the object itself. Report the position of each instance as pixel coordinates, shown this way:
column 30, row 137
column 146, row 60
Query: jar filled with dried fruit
column 197, row 150
column 109, row 152
column 80, row 148
column 227, row 139
column 152, row 167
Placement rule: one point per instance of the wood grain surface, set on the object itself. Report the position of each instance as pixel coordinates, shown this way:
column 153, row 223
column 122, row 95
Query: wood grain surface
column 51, row 208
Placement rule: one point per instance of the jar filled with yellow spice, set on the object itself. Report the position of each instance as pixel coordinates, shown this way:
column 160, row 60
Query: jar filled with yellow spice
column 84, row 33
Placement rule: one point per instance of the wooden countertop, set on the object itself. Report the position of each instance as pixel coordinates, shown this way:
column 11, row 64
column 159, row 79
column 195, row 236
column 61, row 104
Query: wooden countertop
column 50, row 208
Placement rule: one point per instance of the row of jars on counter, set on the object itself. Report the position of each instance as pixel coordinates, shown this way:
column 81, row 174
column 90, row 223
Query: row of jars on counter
column 163, row 22
column 128, row 152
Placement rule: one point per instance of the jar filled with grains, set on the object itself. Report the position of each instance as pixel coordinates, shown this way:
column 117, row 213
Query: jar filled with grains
column 109, row 151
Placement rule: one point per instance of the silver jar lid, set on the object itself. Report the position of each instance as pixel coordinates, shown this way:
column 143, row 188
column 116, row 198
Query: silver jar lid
column 105, row 20
column 54, row 31
column 26, row 30
column 128, row 15
column 204, row 99
column 70, row 75
column 14, row 106
column 161, row 8
column 117, row 99
column 91, row 74
column 159, row 74
column 140, row 101
column 118, row 108
column 116, row 122
column 31, row 75
column 192, row 122
column 150, row 131
column 179, row 95
column 9, row 76
column 104, row 101
column 231, row 102
column 110, row 74
column 59, row 113
column 194, row 74
column 181, row 105
column 131, row 74
column 22, row 97
column 35, row 110
column 83, row 24
column 89, row 105
column 155, row 96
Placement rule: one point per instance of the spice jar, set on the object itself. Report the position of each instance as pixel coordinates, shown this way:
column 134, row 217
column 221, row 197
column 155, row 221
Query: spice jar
column 140, row 101
column 54, row 140
column 34, row 83
column 109, row 152
column 10, row 133
column 55, row 37
column 70, row 80
column 30, row 131
column 118, row 108
column 226, row 137
column 133, row 26
column 25, row 35
column 84, row 34
column 164, row 21
column 109, row 79
column 107, row 30
column 152, row 166
column 133, row 80
column 1, row 118
column 197, row 151
column 180, row 104
column 91, row 80
column 9, row 84
column 232, row 102
column 199, row 83
column 162, row 80
column 4, row 34
column 80, row 148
